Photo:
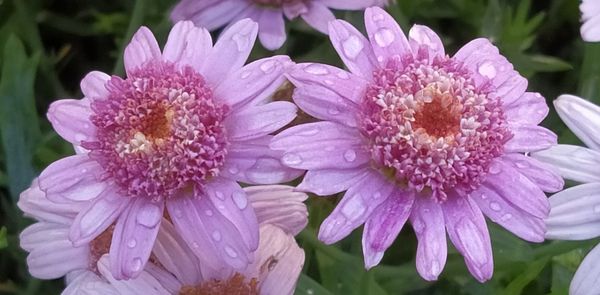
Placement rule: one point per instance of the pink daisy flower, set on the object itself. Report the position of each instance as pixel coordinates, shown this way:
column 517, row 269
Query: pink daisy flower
column 590, row 14
column 269, row 14
column 413, row 134
column 275, row 269
column 574, row 211
column 179, row 132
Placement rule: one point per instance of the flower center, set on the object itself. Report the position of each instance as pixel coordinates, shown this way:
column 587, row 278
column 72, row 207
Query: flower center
column 100, row 246
column 235, row 285
column 429, row 126
column 159, row 131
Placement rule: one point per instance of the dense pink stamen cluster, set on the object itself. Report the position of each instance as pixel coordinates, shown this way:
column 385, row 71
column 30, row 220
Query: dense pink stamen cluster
column 159, row 131
column 430, row 127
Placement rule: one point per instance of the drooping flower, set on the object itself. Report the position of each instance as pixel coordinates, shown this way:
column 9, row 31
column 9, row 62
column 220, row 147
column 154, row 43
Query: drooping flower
column 590, row 14
column 180, row 131
column 574, row 211
column 269, row 14
column 413, row 134
column 176, row 270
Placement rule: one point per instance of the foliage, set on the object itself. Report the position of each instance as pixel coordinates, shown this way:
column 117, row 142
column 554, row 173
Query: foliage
column 47, row 46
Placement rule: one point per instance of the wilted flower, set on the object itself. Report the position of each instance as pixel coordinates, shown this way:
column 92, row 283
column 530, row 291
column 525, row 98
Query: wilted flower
column 574, row 211
column 176, row 270
column 411, row 133
column 269, row 14
column 179, row 131
column 590, row 14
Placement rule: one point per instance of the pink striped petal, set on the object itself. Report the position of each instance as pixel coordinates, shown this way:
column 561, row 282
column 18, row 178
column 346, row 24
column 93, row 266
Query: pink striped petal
column 386, row 36
column 353, row 48
column 279, row 205
column 70, row 118
column 142, row 49
column 187, row 45
column 72, row 179
column 93, row 86
column 427, row 220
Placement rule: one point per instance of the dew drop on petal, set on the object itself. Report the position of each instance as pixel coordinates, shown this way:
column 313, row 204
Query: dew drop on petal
column 522, row 164
column 353, row 209
column 316, row 69
column 220, row 195
column 240, row 200
column 232, row 253
column 208, row 212
column 506, row 217
column 487, row 69
column 384, row 37
column 136, row 264
column 268, row 66
column 216, row 235
column 310, row 132
column 291, row 159
column 132, row 243
column 495, row 206
column 233, row 170
column 352, row 47
column 495, row 168
column 343, row 75
column 149, row 216
column 350, row 155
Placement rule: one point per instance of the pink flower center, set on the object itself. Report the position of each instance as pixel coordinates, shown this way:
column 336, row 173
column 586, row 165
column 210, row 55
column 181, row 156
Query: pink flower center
column 237, row 284
column 159, row 131
column 429, row 126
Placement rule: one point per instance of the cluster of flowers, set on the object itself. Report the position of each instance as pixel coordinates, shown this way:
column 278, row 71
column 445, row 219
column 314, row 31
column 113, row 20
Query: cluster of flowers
column 151, row 201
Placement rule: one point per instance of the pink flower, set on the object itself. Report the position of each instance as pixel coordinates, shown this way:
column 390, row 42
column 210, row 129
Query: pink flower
column 269, row 14
column 590, row 14
column 178, row 132
column 574, row 211
column 176, row 270
column 413, row 134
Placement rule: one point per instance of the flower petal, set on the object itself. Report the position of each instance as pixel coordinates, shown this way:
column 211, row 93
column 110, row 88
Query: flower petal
column 144, row 284
column 142, row 49
column 72, row 179
column 353, row 48
column 209, row 14
column 423, row 38
column 582, row 117
column 590, row 14
column 427, row 220
column 521, row 192
column 509, row 216
column 529, row 138
column 258, row 121
column 56, row 256
column 271, row 32
column 279, row 205
column 175, row 256
column 384, row 225
column 468, row 232
column 575, row 213
column 331, row 181
column 34, row 203
column 230, row 52
column 350, row 4
column 253, row 162
column 537, row 172
column 93, row 86
column 70, row 118
column 318, row 16
column 134, row 237
column 572, row 162
column 484, row 60
column 386, row 36
column 320, row 145
column 88, row 283
column 98, row 216
column 187, row 45
column 530, row 108
column 356, row 207
column 587, row 278
column 253, row 83
column 38, row 234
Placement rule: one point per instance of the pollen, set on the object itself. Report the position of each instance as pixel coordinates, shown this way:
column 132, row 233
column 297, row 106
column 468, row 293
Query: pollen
column 236, row 285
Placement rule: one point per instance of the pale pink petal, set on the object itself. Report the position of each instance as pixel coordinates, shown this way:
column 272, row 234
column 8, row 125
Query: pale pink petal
column 468, row 232
column 423, row 38
column 353, row 48
column 271, row 31
column 70, row 118
column 582, row 117
column 590, row 13
column 292, row 9
column 134, row 236
column 93, row 85
column 574, row 214
column 175, row 255
column 587, row 278
column 144, row 284
column 258, row 121
column 572, row 162
column 72, row 179
column 187, row 45
column 530, row 108
column 217, row 14
column 356, row 207
column 142, row 49
column 185, row 9
column 88, row 283
column 350, row 4
column 230, row 52
column 386, row 36
column 318, row 16
column 98, row 215
column 56, row 257
column 34, row 203
column 427, row 220
column 541, row 174
column 529, row 138
column 331, row 181
column 38, row 234
column 279, row 205
column 384, row 225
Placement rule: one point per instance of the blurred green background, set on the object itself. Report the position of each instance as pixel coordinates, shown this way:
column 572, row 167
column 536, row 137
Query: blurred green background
column 47, row 46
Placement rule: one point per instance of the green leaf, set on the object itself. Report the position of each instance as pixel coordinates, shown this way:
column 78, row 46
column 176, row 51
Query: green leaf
column 18, row 117
column 589, row 85
column 526, row 277
column 3, row 241
column 308, row 286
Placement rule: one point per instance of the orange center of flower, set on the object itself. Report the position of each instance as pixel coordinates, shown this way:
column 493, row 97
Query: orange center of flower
column 439, row 117
column 236, row 285
column 100, row 246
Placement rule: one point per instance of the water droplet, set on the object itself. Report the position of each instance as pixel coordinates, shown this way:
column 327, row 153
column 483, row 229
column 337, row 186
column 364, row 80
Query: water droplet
column 353, row 209
column 316, row 69
column 352, row 47
column 495, row 168
column 178, row 213
column 195, row 245
column 376, row 195
column 597, row 209
column 350, row 155
column 495, row 206
column 378, row 17
column 487, row 69
column 343, row 75
column 241, row 41
column 233, row 170
column 435, row 267
column 334, row 111
column 310, row 131
column 245, row 74
column 232, row 253
column 80, row 137
column 220, row 195
column 136, row 264
column 149, row 215
column 216, row 235
column 310, row 292
column 132, row 243
column 384, row 37
column 522, row 164
column 208, row 212
column 268, row 66
column 291, row 159
column 240, row 200
column 506, row 217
